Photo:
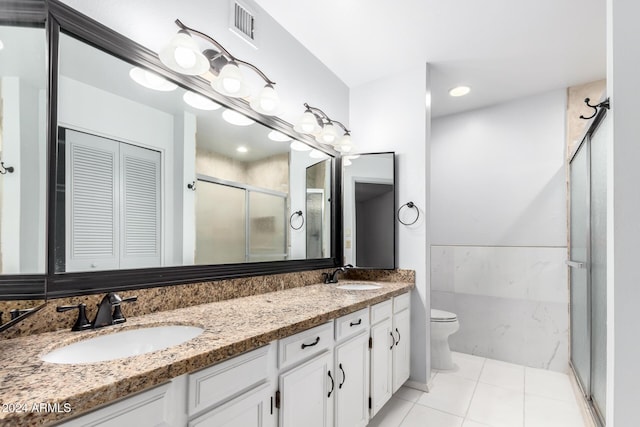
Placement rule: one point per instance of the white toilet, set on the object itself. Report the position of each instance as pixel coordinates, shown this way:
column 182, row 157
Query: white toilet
column 443, row 324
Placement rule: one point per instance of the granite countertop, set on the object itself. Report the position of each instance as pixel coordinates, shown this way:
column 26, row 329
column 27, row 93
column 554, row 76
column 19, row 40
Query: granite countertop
column 231, row 327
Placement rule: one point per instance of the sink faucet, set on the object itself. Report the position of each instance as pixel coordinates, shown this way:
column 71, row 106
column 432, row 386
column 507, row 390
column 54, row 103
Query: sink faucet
column 333, row 277
column 109, row 311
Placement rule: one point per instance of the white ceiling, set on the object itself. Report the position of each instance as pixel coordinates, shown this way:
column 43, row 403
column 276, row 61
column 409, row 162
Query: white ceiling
column 503, row 49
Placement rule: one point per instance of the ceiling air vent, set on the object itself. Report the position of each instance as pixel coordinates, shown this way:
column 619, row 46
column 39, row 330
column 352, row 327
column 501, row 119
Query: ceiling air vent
column 243, row 22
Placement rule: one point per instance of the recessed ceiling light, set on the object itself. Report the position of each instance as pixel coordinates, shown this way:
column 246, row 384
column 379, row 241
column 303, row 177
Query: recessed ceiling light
column 151, row 80
column 242, row 149
column 200, row 102
column 236, row 118
column 299, row 146
column 274, row 135
column 459, row 91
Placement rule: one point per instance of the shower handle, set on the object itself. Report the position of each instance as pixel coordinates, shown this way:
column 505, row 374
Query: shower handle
column 576, row 264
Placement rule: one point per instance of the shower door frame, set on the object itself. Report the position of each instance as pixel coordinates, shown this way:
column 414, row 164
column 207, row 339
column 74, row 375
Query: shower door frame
column 586, row 389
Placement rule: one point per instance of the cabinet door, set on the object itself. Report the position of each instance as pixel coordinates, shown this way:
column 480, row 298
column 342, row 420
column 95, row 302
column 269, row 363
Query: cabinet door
column 252, row 409
column 352, row 379
column 383, row 343
column 402, row 348
column 307, row 393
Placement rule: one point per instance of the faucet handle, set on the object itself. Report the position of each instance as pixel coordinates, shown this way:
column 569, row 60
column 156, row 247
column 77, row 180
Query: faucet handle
column 82, row 322
column 118, row 317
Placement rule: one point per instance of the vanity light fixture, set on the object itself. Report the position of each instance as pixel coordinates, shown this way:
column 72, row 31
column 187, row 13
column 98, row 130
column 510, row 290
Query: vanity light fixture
column 235, row 118
column 200, row 102
column 183, row 55
column 274, row 135
column 151, row 80
column 299, row 146
column 459, row 91
column 326, row 130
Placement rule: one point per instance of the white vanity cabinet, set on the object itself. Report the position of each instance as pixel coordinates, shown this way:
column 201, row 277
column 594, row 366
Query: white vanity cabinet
column 351, row 363
column 307, row 380
column 252, row 409
column 390, row 348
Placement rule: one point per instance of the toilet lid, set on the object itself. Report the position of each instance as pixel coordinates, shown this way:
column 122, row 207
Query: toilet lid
column 442, row 316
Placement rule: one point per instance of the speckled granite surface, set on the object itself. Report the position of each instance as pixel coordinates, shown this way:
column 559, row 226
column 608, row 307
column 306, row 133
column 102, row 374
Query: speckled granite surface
column 231, row 327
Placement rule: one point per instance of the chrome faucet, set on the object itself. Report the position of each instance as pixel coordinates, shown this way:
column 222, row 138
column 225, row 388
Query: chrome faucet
column 333, row 277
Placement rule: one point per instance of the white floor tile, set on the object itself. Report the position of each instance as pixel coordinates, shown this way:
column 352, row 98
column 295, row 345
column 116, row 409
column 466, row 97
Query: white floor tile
column 554, row 385
column 421, row 416
column 503, row 374
column 450, row 394
column 391, row 414
column 544, row 412
column 410, row 394
column 468, row 366
column 497, row 406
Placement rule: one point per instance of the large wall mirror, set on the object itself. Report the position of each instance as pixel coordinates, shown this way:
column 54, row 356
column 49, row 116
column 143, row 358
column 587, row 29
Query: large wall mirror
column 150, row 174
column 369, row 210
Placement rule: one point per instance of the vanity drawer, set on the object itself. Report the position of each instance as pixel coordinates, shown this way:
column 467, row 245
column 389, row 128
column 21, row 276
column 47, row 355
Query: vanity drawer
column 401, row 302
column 381, row 311
column 223, row 381
column 304, row 344
column 351, row 324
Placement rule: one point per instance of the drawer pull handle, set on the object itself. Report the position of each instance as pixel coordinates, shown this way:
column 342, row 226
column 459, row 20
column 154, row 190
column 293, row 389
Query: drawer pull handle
column 344, row 376
column 303, row 346
column 393, row 340
column 359, row 322
column 398, row 336
column 333, row 384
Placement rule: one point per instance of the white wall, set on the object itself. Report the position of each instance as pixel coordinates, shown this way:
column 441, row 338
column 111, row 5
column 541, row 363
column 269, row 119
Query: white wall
column 390, row 114
column 498, row 209
column 623, row 232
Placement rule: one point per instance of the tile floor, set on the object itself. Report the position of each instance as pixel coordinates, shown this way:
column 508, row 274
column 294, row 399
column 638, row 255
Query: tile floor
column 485, row 393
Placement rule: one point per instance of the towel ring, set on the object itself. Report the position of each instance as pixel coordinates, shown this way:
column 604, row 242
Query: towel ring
column 410, row 205
column 298, row 213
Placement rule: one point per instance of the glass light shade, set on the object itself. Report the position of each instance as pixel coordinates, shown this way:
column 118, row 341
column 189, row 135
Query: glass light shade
column 267, row 102
column 183, row 55
column 344, row 141
column 299, row 146
column 151, row 80
column 200, row 102
column 274, row 135
column 236, row 118
column 344, row 148
column 328, row 135
column 308, row 124
column 317, row 154
column 230, row 82
column 346, row 162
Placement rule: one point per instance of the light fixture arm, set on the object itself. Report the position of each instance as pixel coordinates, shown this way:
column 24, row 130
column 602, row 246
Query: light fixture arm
column 224, row 51
column 322, row 116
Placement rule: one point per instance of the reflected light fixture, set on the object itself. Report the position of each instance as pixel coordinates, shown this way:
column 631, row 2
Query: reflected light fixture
column 235, row 118
column 326, row 130
column 183, row 55
column 317, row 154
column 299, row 146
column 151, row 80
column 459, row 91
column 274, row 135
column 200, row 102
column 346, row 162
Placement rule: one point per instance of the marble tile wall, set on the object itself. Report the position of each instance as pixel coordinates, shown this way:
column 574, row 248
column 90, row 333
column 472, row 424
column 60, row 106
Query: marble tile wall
column 512, row 302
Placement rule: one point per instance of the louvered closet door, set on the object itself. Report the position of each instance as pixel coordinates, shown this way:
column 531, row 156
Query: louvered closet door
column 140, row 210
column 92, row 206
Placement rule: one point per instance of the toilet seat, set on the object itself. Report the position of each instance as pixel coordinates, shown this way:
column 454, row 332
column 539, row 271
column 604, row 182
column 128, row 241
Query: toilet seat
column 442, row 316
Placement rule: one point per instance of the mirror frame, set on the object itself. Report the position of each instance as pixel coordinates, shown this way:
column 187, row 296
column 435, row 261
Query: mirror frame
column 59, row 17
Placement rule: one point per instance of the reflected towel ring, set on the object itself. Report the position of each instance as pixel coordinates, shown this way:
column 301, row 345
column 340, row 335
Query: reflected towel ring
column 410, row 205
column 298, row 213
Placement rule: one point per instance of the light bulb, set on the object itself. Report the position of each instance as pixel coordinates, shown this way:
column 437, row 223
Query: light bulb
column 267, row 102
column 329, row 134
column 308, row 123
column 231, row 78
column 185, row 58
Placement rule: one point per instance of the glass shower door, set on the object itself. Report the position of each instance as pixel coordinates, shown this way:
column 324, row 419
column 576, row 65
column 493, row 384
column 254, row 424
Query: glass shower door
column 578, row 272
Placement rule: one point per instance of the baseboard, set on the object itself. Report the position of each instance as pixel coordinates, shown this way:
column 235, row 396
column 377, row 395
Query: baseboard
column 418, row 385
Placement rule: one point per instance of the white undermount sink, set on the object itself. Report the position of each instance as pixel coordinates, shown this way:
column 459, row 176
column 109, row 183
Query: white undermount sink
column 127, row 343
column 359, row 286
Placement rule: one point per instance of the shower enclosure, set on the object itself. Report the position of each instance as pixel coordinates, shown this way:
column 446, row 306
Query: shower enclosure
column 587, row 264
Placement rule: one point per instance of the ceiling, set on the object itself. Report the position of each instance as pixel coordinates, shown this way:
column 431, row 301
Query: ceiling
column 503, row 49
